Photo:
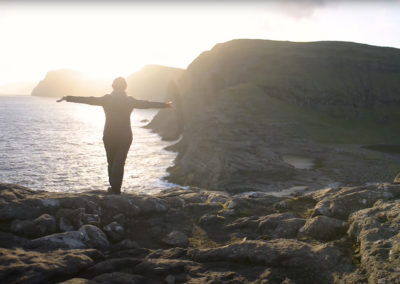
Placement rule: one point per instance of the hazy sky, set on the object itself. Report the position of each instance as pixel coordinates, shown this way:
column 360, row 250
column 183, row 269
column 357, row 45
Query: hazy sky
column 106, row 40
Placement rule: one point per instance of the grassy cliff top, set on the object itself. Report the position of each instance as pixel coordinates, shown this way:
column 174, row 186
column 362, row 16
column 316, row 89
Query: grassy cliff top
column 308, row 73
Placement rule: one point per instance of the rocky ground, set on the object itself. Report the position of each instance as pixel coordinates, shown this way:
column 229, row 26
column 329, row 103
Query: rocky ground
column 338, row 235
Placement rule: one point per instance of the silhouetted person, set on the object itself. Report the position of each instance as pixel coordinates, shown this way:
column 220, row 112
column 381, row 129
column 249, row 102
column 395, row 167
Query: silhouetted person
column 117, row 136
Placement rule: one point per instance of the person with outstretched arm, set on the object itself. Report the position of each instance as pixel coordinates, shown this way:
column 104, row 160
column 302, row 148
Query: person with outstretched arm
column 117, row 135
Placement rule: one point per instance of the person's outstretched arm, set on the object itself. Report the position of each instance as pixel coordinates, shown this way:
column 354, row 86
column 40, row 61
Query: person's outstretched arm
column 96, row 101
column 147, row 104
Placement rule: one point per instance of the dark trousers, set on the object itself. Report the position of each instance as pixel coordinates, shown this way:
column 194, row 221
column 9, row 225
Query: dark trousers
column 116, row 150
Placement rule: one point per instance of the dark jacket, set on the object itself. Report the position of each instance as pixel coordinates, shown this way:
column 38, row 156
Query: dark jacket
column 117, row 108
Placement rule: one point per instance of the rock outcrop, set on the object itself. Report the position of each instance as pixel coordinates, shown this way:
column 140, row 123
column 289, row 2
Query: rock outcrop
column 169, row 123
column 198, row 236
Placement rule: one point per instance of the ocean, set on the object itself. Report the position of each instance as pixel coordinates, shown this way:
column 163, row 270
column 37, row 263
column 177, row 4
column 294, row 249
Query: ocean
column 45, row 145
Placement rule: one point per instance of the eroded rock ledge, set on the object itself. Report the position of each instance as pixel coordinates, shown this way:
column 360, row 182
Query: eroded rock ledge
column 340, row 235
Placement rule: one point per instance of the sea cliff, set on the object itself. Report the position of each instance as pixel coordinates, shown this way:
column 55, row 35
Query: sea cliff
column 149, row 83
column 248, row 104
column 334, row 235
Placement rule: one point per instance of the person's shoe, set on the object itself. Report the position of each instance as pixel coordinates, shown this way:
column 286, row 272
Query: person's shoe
column 111, row 191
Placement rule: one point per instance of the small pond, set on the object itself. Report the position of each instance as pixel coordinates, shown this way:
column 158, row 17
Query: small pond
column 299, row 162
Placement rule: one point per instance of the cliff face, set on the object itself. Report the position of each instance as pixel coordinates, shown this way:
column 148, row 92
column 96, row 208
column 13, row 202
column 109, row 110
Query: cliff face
column 150, row 83
column 249, row 103
column 317, row 74
column 65, row 82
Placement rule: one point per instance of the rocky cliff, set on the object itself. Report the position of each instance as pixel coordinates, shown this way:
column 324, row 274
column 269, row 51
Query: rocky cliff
column 248, row 104
column 336, row 235
column 315, row 74
column 150, row 83
column 169, row 123
column 65, row 82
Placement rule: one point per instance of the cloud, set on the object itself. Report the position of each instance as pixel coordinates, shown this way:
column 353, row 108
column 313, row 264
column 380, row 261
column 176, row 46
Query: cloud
column 295, row 9
column 306, row 8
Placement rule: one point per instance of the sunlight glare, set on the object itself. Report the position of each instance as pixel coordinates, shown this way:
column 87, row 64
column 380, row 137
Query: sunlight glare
column 106, row 40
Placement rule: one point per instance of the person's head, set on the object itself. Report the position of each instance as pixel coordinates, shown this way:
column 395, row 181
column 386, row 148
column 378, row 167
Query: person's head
column 119, row 84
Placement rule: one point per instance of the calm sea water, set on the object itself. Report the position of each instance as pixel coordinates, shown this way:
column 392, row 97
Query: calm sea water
column 53, row 146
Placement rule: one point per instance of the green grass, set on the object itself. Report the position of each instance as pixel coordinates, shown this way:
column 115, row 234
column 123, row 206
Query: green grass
column 338, row 126
column 338, row 92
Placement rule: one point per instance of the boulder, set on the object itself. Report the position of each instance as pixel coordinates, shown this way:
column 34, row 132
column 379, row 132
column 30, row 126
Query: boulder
column 94, row 237
column 150, row 205
column 46, row 224
column 89, row 202
column 41, row 226
column 325, row 228
column 115, row 204
column 176, row 239
column 70, row 219
column 66, row 240
column 280, row 225
column 88, row 236
column 20, row 210
column 114, row 231
column 91, row 219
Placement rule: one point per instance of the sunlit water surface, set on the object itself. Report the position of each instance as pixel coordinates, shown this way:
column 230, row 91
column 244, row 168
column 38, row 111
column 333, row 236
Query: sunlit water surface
column 53, row 146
